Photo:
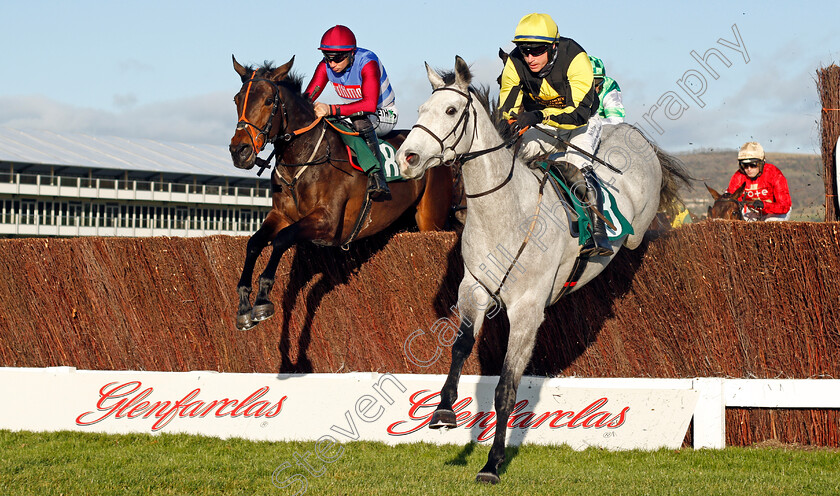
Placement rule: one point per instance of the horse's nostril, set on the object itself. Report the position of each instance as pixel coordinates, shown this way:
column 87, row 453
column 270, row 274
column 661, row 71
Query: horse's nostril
column 241, row 150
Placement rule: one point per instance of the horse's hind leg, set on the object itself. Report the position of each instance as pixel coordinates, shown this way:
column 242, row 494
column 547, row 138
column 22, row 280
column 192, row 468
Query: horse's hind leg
column 525, row 318
column 473, row 304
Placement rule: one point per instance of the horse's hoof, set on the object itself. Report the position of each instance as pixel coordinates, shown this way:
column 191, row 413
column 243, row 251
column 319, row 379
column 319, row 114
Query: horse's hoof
column 443, row 418
column 244, row 322
column 487, row 478
column 262, row 312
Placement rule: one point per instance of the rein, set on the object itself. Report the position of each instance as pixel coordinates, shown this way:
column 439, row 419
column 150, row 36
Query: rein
column 255, row 132
column 305, row 165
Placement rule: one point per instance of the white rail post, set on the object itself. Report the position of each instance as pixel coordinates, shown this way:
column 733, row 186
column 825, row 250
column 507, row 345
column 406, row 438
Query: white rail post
column 710, row 414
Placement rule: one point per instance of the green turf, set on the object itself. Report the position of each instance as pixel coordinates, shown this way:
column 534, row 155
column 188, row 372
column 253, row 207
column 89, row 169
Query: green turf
column 71, row 463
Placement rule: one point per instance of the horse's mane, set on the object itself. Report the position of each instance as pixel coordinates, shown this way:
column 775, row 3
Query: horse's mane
column 293, row 81
column 488, row 102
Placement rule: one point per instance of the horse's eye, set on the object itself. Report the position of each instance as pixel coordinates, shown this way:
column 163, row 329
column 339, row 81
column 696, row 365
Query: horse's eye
column 269, row 101
column 450, row 111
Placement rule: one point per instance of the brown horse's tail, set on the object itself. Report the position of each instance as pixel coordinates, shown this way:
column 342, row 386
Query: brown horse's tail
column 674, row 176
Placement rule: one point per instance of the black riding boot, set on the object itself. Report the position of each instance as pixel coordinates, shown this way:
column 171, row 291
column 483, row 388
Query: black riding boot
column 582, row 185
column 598, row 244
column 377, row 185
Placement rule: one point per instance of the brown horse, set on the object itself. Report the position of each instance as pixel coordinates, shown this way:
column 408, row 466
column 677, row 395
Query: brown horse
column 317, row 195
column 727, row 205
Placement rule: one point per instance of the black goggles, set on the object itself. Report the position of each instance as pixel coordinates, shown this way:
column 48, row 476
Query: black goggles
column 533, row 50
column 335, row 56
column 749, row 164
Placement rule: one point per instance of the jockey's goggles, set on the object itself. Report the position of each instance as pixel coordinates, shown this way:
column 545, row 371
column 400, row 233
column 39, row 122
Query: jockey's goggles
column 749, row 164
column 533, row 50
column 335, row 56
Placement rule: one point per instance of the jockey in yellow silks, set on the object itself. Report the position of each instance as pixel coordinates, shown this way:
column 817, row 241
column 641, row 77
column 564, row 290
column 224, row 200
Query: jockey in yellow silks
column 547, row 83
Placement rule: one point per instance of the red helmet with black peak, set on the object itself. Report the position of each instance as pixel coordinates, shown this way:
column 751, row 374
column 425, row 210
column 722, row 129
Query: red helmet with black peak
column 338, row 39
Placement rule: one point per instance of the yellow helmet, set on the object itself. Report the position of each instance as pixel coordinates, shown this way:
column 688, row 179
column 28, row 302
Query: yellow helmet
column 535, row 28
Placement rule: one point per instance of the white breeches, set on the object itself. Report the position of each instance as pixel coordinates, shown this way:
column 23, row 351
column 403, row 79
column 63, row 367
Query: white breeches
column 536, row 142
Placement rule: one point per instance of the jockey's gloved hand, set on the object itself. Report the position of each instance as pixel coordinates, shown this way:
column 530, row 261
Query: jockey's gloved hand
column 757, row 204
column 527, row 119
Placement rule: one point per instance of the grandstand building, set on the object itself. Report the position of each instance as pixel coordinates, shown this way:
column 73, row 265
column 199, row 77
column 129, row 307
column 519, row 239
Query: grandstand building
column 62, row 184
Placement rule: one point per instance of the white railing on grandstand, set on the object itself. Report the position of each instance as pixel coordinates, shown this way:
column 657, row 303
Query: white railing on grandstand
column 118, row 189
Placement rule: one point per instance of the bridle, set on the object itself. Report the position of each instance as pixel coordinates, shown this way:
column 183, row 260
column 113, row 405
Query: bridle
column 254, row 131
column 464, row 157
column 740, row 204
column 464, row 117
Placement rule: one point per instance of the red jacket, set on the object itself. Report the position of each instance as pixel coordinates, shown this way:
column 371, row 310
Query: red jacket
column 770, row 187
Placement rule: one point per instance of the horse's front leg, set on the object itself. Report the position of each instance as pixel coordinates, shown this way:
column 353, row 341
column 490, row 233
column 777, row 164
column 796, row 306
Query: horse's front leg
column 269, row 229
column 316, row 225
column 525, row 318
column 473, row 305
column 263, row 307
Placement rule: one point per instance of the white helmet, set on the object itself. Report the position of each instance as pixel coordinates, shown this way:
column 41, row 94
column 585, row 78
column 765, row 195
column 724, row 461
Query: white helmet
column 751, row 151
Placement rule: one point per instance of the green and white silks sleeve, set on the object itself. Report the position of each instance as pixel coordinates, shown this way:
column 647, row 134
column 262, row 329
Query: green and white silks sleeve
column 611, row 108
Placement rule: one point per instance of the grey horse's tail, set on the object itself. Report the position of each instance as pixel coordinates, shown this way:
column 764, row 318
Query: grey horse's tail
column 674, row 176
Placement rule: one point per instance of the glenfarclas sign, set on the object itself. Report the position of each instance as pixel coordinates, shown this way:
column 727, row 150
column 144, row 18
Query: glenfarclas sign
column 613, row 414
column 130, row 400
column 595, row 415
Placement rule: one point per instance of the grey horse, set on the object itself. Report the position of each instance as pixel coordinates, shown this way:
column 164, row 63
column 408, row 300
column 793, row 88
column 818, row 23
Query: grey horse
column 512, row 224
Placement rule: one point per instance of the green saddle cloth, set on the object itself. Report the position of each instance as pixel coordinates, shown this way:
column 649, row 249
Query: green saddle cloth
column 365, row 157
column 610, row 211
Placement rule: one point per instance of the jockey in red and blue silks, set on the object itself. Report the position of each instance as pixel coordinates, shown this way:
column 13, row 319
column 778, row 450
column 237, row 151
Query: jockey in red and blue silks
column 353, row 84
column 360, row 80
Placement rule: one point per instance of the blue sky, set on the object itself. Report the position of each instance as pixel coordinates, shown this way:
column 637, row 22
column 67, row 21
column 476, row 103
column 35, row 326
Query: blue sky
column 162, row 70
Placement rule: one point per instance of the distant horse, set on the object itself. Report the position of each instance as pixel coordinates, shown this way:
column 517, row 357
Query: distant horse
column 317, row 195
column 727, row 206
column 507, row 209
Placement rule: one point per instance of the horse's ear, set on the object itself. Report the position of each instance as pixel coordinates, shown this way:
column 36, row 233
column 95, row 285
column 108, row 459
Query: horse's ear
column 714, row 193
column 738, row 192
column 238, row 67
column 503, row 55
column 434, row 77
column 463, row 77
column 282, row 71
